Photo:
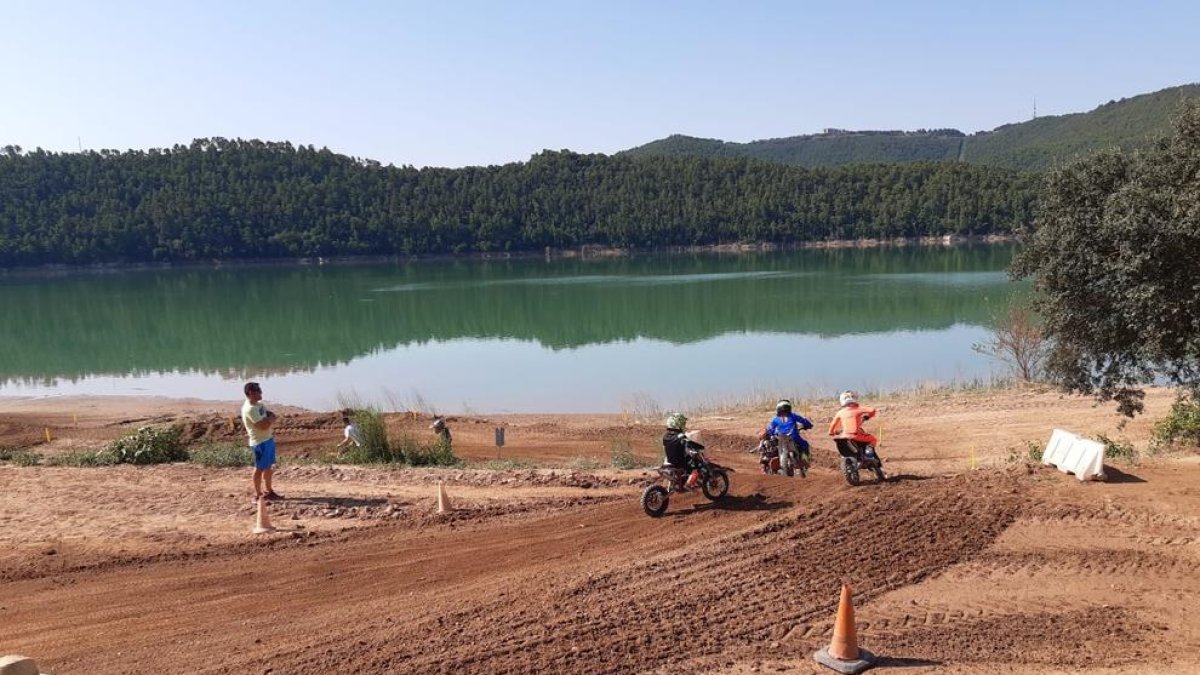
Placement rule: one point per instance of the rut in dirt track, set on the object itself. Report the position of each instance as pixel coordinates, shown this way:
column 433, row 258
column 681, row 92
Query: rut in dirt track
column 719, row 593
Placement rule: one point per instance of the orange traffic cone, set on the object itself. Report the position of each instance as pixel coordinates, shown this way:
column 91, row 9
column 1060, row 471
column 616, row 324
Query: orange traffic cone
column 843, row 653
column 443, row 500
column 263, row 522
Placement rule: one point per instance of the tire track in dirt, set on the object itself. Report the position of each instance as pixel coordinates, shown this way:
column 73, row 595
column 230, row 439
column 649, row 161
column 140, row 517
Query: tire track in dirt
column 719, row 592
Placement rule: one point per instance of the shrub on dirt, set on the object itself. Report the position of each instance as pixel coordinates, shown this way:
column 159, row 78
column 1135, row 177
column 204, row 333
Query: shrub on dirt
column 511, row 464
column 1034, row 450
column 83, row 458
column 150, row 445
column 582, row 463
column 1181, row 425
column 1118, row 449
column 623, row 457
column 222, row 455
column 376, row 448
column 434, row 454
column 19, row 457
column 1030, row 452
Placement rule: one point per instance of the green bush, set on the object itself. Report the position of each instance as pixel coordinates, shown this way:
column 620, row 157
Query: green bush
column 623, row 457
column 222, row 455
column 1115, row 449
column 376, row 448
column 436, row 454
column 149, row 445
column 1181, row 425
column 582, row 463
column 19, row 457
column 1032, row 452
column 84, row 458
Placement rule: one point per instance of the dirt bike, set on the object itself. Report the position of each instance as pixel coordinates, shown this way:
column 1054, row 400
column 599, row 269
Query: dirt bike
column 857, row 456
column 771, row 457
column 714, row 480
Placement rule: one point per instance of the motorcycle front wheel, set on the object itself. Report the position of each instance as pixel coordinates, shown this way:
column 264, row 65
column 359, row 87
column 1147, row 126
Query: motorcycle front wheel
column 850, row 468
column 717, row 485
column 655, row 500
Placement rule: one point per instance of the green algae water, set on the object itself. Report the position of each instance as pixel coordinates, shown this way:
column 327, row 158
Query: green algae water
column 523, row 335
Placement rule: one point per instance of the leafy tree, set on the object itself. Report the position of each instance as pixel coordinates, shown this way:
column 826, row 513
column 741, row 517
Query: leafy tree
column 1114, row 254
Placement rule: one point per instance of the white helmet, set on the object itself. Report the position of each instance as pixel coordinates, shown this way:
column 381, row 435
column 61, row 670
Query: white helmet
column 847, row 397
column 783, row 407
column 677, row 421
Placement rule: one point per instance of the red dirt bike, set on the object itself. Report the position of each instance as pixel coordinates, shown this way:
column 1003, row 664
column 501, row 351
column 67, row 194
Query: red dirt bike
column 855, row 456
column 775, row 460
column 714, row 479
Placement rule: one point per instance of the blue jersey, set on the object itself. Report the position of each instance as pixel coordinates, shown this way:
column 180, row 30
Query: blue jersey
column 790, row 426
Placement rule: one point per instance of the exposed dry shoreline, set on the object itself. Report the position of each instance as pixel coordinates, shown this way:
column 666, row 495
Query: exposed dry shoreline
column 549, row 253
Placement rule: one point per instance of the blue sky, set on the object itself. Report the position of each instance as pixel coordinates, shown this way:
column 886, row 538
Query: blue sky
column 455, row 83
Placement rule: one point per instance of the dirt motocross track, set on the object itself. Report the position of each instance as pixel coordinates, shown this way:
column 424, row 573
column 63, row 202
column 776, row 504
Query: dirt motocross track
column 1007, row 567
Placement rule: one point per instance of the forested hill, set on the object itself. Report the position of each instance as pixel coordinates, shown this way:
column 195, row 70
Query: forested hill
column 233, row 199
column 1034, row 145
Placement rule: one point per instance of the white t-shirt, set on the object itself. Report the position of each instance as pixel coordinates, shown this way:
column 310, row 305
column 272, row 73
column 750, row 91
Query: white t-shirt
column 251, row 413
column 352, row 434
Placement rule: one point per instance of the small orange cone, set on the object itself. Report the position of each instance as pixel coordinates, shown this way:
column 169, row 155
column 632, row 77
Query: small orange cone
column 843, row 653
column 263, row 523
column 443, row 500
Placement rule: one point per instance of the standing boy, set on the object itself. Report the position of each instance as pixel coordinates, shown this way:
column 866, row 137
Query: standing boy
column 258, row 422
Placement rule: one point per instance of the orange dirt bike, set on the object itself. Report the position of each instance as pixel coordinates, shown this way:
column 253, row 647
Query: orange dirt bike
column 714, row 479
column 856, row 456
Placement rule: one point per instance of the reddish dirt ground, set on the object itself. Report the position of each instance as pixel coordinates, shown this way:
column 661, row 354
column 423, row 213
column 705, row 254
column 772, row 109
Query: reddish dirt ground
column 968, row 560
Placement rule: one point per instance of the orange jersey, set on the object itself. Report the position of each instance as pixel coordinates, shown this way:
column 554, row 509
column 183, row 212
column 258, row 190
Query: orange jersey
column 848, row 423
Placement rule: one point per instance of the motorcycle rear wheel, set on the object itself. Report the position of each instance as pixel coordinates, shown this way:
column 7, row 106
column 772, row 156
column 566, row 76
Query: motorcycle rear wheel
column 717, row 485
column 850, row 469
column 655, row 500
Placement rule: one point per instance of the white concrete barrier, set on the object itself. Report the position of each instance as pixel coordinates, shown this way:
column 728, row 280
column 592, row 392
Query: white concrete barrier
column 14, row 664
column 1056, row 449
column 1073, row 454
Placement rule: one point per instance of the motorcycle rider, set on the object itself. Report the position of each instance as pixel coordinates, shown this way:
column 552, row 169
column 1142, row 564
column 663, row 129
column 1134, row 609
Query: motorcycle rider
column 786, row 426
column 675, row 449
column 848, row 420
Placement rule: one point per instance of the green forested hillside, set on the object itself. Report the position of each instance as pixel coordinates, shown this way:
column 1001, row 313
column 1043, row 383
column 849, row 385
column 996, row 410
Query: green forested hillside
column 1128, row 124
column 834, row 148
column 1033, row 146
column 230, row 199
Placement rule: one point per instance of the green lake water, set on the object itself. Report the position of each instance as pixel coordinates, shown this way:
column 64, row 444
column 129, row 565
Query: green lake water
column 514, row 335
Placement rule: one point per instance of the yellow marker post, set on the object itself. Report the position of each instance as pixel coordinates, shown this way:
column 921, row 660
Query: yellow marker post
column 974, row 463
column 47, row 430
column 75, row 418
column 879, row 439
column 231, row 424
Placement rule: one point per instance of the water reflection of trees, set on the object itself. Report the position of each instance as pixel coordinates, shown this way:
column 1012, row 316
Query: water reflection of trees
column 239, row 320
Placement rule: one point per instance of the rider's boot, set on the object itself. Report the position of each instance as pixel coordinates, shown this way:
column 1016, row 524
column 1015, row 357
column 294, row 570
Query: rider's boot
column 693, row 480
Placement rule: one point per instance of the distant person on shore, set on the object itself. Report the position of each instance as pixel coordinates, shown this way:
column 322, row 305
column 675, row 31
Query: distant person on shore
column 352, row 435
column 443, row 432
column 258, row 422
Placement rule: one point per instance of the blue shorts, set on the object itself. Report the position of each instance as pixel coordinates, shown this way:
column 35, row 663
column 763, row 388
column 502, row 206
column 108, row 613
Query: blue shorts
column 264, row 454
